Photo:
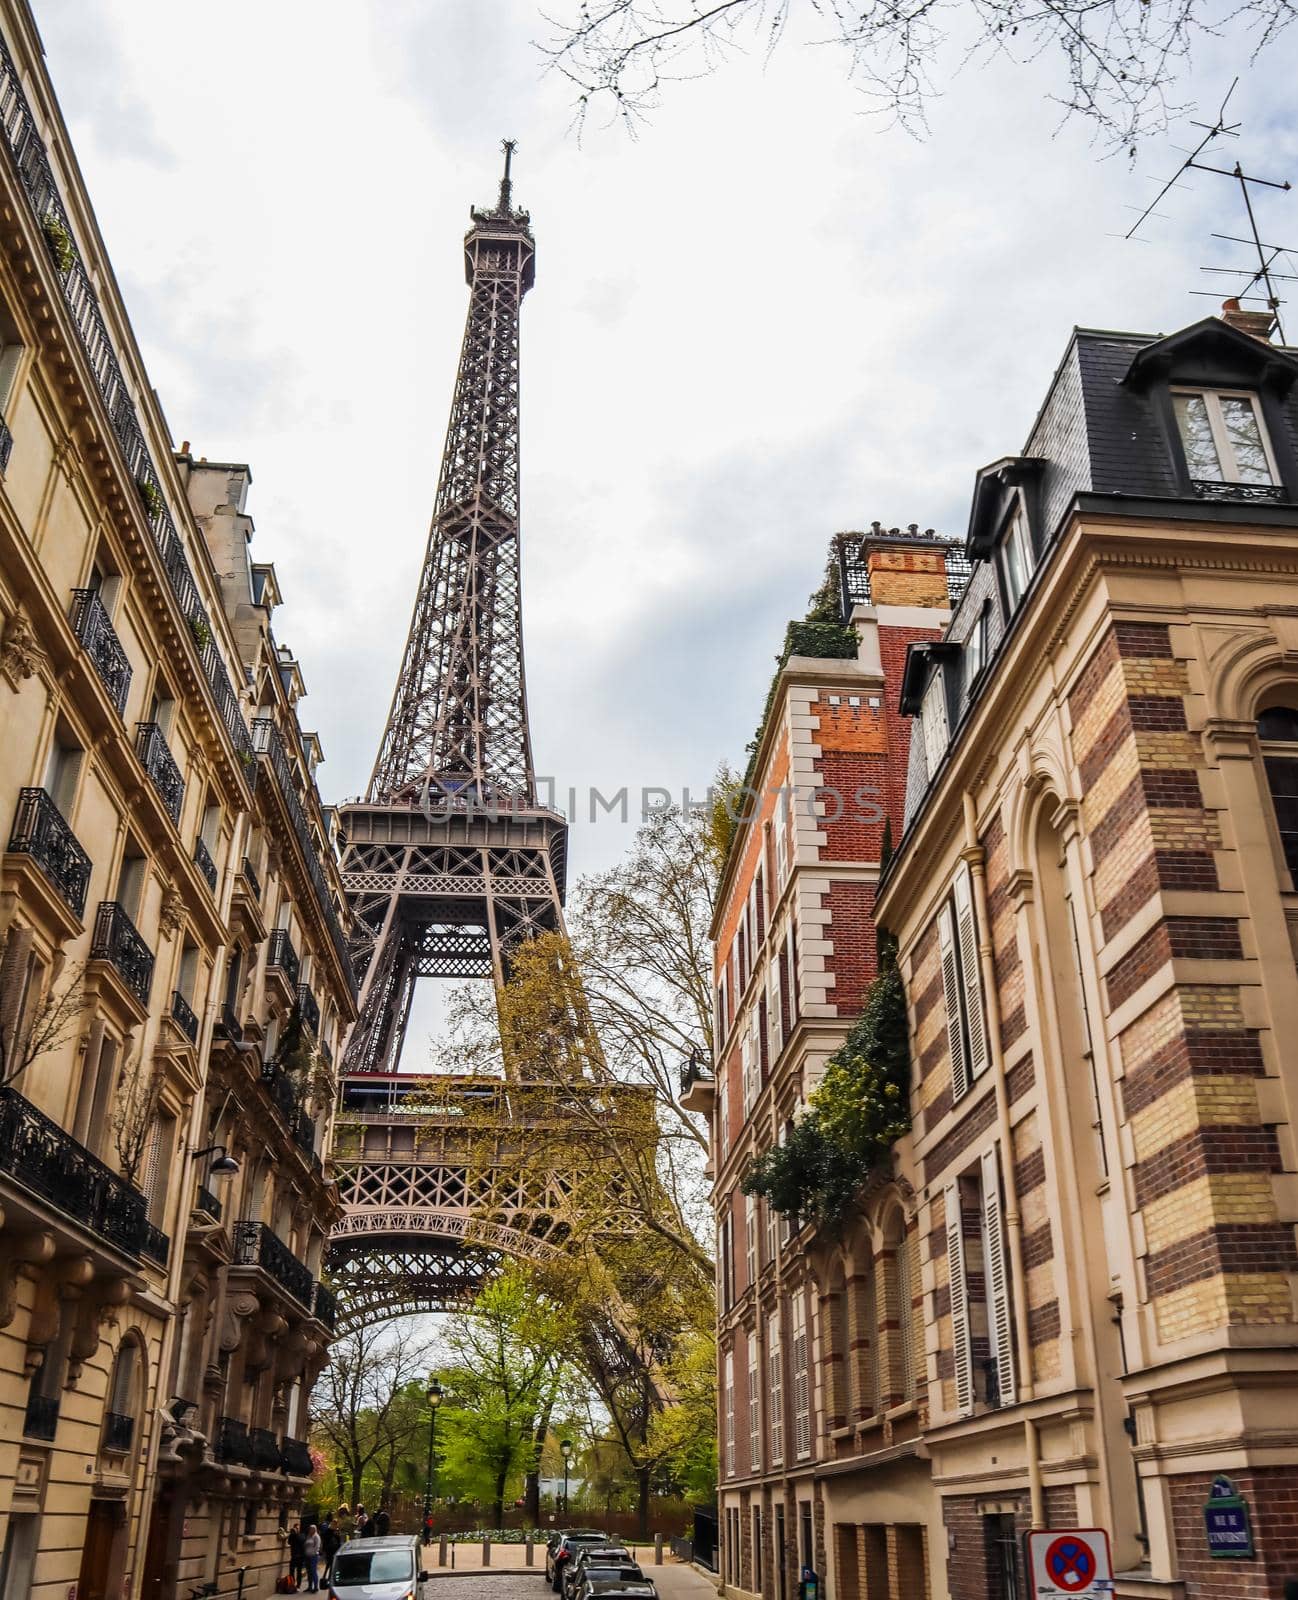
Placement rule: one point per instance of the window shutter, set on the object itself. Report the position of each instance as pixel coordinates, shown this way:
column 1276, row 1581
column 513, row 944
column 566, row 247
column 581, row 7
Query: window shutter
column 964, row 1386
column 999, row 1322
column 754, row 1409
column 750, row 1237
column 14, row 968
column 971, row 974
column 801, row 1379
column 775, row 1388
column 730, row 1414
column 951, row 994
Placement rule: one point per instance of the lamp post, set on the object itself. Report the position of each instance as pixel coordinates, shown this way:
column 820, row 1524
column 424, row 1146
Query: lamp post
column 565, row 1445
column 434, row 1393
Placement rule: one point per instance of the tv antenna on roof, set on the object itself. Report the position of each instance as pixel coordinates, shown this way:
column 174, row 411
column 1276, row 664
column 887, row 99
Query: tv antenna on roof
column 1265, row 273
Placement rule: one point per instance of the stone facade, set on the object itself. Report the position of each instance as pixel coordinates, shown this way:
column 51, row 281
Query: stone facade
column 821, row 1379
column 168, row 911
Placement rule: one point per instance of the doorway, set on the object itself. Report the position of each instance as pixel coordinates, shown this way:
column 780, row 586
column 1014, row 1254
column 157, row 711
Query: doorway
column 103, row 1558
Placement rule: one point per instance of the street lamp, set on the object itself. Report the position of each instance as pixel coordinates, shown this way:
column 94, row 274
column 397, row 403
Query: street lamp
column 565, row 1445
column 434, row 1393
column 222, row 1165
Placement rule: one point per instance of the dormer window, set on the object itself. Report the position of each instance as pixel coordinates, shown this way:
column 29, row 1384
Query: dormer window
column 1016, row 557
column 1223, row 436
column 932, row 718
column 975, row 649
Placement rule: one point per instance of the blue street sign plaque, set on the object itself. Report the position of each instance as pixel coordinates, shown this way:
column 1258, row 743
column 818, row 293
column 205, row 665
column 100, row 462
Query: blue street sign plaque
column 1225, row 1521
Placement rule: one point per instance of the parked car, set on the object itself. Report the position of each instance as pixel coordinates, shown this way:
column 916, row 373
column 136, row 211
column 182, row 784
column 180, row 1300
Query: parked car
column 599, row 1577
column 569, row 1545
column 624, row 1590
column 605, row 1555
column 377, row 1569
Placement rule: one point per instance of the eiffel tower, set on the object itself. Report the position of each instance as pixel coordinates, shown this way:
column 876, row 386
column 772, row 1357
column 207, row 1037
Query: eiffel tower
column 449, row 862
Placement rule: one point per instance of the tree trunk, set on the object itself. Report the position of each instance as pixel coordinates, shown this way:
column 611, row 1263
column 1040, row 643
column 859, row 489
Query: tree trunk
column 532, row 1484
column 500, row 1498
column 642, row 1480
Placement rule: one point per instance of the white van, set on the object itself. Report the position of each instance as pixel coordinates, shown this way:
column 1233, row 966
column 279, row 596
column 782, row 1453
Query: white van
column 377, row 1569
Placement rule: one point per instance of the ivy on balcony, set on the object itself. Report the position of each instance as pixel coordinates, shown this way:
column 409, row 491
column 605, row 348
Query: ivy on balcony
column 860, row 1109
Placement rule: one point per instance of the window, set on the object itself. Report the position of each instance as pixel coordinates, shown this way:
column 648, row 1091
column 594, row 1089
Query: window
column 768, row 1212
column 750, row 1238
column 1278, row 727
column 1222, row 436
column 156, row 1168
column 123, row 1398
column 723, row 1109
column 62, row 771
column 130, row 880
column 962, row 987
column 932, row 721
column 801, row 1379
column 22, row 983
column 754, row 1410
column 975, row 649
column 730, row 1414
column 978, row 1265
column 775, row 1389
column 747, row 1056
column 1017, row 558
column 727, row 1256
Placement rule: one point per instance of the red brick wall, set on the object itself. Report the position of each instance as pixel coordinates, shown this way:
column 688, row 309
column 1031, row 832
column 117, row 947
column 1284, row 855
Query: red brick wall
column 1272, row 1495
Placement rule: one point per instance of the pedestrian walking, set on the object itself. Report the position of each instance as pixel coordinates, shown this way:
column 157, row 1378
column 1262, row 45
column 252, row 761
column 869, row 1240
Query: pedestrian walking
column 296, row 1553
column 362, row 1521
column 330, row 1539
column 382, row 1522
column 311, row 1550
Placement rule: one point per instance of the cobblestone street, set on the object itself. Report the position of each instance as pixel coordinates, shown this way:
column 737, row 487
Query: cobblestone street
column 672, row 1580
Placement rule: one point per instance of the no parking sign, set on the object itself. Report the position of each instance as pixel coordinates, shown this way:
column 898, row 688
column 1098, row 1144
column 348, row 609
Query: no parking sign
column 1069, row 1564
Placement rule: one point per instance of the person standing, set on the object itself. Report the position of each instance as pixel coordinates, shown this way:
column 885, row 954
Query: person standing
column 296, row 1559
column 362, row 1521
column 330, row 1539
column 382, row 1522
column 311, row 1550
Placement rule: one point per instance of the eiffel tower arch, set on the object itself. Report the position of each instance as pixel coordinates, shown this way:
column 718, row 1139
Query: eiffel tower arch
column 449, row 864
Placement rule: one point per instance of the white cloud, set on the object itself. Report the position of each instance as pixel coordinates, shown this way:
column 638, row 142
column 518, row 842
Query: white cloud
column 765, row 320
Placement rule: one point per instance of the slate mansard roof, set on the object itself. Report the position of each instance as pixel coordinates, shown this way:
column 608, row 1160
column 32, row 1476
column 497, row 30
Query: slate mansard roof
column 1105, row 439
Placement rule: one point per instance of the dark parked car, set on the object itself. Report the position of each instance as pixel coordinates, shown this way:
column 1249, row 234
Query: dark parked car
column 604, row 1554
column 569, row 1544
column 598, row 1578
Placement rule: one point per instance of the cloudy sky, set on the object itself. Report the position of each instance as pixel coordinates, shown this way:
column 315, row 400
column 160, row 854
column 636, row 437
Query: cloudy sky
column 767, row 319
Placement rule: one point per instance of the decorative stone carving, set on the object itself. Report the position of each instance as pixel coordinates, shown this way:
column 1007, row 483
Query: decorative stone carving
column 20, row 655
column 33, row 1249
column 238, row 1307
column 171, row 917
column 63, row 1282
column 98, row 1308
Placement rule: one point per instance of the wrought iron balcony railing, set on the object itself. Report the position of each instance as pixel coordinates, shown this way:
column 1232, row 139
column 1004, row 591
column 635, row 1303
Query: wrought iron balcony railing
column 694, row 1072
column 183, row 1016
column 280, row 953
column 203, row 861
column 257, row 1245
column 50, row 1163
column 1255, row 493
column 303, row 1131
column 119, row 1431
column 6, row 447
column 42, row 1418
column 327, row 1051
column 325, row 1309
column 117, row 941
column 296, row 1457
column 155, row 1244
column 254, row 882
column 232, row 1443
column 264, row 1449
column 206, row 1202
column 163, row 772
column 309, row 1007
column 270, row 746
column 228, row 1025
column 91, row 624
column 40, row 832
column 282, row 1090
column 20, row 131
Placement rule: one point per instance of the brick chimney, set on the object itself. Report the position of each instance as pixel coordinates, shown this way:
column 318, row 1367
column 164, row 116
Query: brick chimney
column 1257, row 324
column 906, row 568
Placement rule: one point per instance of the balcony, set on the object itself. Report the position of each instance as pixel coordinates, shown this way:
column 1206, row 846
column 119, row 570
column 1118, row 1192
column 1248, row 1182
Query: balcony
column 182, row 1015
column 325, row 1309
column 155, row 1246
column 203, row 861
column 46, row 1161
column 116, row 941
column 119, row 1431
column 232, row 1444
column 207, row 1203
column 1250, row 493
column 284, row 1093
column 296, row 1457
column 302, row 1130
column 40, row 832
column 254, row 882
column 256, row 1245
column 268, row 744
column 280, row 954
column 42, row 1418
column 309, row 1007
column 263, row 1446
column 92, row 627
column 163, row 772
column 698, row 1086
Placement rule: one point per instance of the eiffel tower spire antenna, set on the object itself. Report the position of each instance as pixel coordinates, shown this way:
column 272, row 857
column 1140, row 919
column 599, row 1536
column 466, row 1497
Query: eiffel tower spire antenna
column 449, row 862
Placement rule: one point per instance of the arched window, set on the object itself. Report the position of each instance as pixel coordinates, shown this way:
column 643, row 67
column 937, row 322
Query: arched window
column 1277, row 732
column 124, row 1391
